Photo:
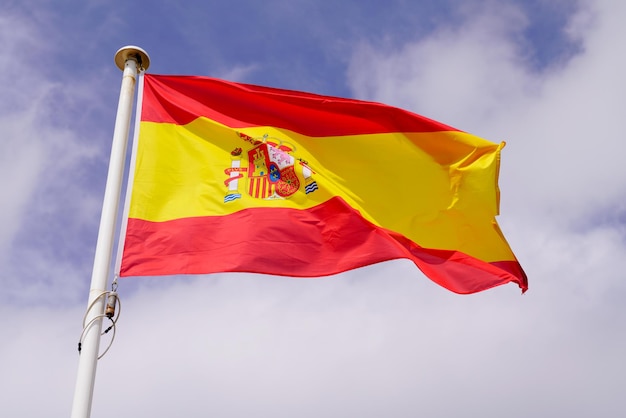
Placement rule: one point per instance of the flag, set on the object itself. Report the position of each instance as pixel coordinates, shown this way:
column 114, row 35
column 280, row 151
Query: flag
column 233, row 177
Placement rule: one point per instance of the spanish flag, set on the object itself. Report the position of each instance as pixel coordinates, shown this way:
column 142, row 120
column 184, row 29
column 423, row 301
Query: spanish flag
column 232, row 177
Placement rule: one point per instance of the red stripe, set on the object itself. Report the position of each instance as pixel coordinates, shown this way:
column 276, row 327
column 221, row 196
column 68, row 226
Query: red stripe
column 327, row 239
column 182, row 99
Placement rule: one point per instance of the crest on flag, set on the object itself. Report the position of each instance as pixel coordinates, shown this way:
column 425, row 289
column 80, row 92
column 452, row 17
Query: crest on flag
column 270, row 170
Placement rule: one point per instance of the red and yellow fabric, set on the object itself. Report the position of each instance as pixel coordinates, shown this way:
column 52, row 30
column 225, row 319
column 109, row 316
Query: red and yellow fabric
column 232, row 177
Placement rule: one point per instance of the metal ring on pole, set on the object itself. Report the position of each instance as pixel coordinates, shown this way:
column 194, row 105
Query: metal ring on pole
column 113, row 318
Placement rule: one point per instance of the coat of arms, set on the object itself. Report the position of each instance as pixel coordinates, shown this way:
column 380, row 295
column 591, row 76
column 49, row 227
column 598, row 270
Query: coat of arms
column 270, row 171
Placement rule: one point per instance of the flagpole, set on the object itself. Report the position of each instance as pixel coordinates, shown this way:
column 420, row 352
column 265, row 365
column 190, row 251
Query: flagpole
column 131, row 60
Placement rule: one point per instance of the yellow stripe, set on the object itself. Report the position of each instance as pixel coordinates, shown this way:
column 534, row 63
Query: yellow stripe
column 436, row 194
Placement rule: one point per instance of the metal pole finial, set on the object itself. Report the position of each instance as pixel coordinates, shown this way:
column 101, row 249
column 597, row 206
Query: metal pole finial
column 132, row 52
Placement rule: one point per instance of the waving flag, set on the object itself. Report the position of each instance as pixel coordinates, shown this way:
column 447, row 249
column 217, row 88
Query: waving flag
column 233, row 177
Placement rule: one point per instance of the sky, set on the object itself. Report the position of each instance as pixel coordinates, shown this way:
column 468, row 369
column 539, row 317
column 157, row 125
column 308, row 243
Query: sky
column 546, row 76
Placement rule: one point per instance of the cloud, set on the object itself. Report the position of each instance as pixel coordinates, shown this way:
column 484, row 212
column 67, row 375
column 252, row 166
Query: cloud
column 20, row 157
column 239, row 73
column 446, row 72
column 46, row 167
column 38, row 356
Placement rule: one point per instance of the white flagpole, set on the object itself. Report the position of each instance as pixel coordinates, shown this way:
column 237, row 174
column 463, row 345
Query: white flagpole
column 131, row 60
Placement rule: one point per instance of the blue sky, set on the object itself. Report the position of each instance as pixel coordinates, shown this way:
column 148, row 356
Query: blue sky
column 545, row 76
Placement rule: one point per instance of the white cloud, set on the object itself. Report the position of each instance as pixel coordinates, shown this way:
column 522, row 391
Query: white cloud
column 462, row 73
column 47, row 164
column 20, row 160
column 239, row 73
column 37, row 357
column 20, row 155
